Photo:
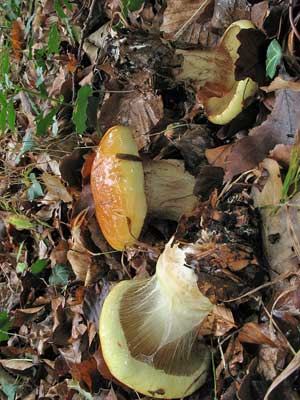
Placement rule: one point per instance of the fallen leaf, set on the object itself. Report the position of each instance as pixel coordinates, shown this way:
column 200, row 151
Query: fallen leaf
column 180, row 14
column 279, row 128
column 228, row 11
column 87, row 374
column 280, row 223
column 281, row 83
column 141, row 110
column 252, row 332
column 17, row 37
column 56, row 191
column 252, row 56
column 291, row 367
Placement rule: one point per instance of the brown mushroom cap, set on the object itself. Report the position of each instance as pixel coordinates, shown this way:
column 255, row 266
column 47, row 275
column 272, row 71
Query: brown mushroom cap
column 117, row 182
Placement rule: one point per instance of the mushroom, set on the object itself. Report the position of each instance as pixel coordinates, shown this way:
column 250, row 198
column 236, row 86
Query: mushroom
column 213, row 72
column 148, row 329
column 123, row 191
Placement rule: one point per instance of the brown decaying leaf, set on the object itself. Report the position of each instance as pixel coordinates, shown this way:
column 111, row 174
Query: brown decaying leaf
column 258, row 13
column 280, row 223
column 17, row 38
column 56, row 191
column 180, row 14
column 219, row 322
column 79, row 256
column 252, row 332
column 279, row 128
column 87, row 374
column 280, row 83
column 289, row 369
column 141, row 110
column 228, row 11
column 252, row 56
column 282, row 154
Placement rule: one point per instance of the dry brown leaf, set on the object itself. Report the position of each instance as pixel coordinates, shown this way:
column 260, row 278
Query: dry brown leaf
column 17, row 37
column 180, row 14
column 87, row 374
column 17, row 365
column 56, row 189
column 292, row 367
column 80, row 258
column 258, row 13
column 279, row 128
column 252, row 332
column 280, row 223
column 141, row 110
column 228, row 11
column 219, row 322
column 282, row 154
column 280, row 83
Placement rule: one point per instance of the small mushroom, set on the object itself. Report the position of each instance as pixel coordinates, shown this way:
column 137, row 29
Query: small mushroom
column 213, row 73
column 148, row 329
column 125, row 189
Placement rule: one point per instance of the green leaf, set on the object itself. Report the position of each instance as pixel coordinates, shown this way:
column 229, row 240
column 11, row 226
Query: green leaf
column 38, row 266
column 20, row 222
column 5, row 325
column 54, row 40
column 35, row 189
column 4, row 62
column 44, row 122
column 60, row 275
column 79, row 116
column 68, row 4
column 10, row 389
column 21, row 266
column 274, row 55
column 59, row 10
column 27, row 144
column 3, row 118
column 11, row 116
column 131, row 5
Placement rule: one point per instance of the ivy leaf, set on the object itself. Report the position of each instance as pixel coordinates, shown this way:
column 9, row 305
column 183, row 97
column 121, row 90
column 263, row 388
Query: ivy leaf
column 274, row 55
column 35, row 189
column 54, row 40
column 60, row 275
column 79, row 116
column 5, row 325
column 59, row 10
column 20, row 222
column 44, row 122
column 38, row 266
column 10, row 389
column 131, row 5
column 11, row 116
column 27, row 144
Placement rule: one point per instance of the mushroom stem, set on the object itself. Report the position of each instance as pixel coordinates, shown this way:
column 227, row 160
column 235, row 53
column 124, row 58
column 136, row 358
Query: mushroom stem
column 148, row 329
column 168, row 188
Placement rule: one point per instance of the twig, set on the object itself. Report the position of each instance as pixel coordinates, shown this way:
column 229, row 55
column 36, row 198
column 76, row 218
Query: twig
column 79, row 52
column 291, row 18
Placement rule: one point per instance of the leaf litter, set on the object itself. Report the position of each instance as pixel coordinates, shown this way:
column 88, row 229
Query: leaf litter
column 68, row 72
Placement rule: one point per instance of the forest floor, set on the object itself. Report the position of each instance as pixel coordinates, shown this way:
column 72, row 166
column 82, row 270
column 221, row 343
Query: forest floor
column 70, row 70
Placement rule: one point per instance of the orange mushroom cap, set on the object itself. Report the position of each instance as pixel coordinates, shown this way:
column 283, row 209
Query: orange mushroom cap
column 117, row 182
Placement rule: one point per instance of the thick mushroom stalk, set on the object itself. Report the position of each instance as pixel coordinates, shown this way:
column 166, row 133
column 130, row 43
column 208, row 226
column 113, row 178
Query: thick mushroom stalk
column 213, row 73
column 148, row 330
column 123, row 191
column 168, row 188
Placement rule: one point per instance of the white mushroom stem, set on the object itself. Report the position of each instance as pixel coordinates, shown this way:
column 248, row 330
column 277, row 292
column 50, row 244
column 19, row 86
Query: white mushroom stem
column 169, row 189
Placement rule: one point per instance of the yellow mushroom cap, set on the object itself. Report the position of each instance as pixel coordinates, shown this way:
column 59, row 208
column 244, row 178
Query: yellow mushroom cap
column 117, row 182
column 148, row 330
column 213, row 71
